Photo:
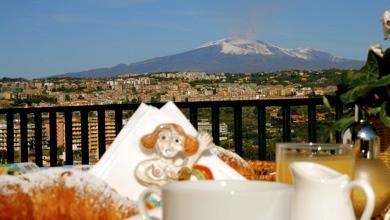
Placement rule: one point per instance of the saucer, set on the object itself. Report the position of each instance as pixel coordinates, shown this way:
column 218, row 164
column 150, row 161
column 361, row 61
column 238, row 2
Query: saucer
column 155, row 214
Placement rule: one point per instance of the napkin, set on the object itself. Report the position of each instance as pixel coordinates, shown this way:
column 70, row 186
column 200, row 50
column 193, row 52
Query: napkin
column 119, row 162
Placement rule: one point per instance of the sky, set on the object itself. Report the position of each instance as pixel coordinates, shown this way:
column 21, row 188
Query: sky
column 41, row 38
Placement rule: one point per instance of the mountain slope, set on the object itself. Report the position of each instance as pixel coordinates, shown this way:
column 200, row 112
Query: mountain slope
column 231, row 55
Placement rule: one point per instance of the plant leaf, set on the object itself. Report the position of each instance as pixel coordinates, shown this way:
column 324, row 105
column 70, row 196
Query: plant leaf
column 383, row 81
column 326, row 102
column 374, row 111
column 386, row 54
column 354, row 93
column 383, row 115
column 362, row 89
column 369, row 72
column 343, row 123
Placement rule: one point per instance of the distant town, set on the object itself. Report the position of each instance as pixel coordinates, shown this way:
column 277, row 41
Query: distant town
column 163, row 87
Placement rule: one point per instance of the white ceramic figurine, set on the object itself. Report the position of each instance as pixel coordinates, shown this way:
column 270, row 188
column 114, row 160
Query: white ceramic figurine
column 386, row 24
column 175, row 153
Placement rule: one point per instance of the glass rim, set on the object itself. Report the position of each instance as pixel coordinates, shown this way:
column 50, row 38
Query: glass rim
column 312, row 145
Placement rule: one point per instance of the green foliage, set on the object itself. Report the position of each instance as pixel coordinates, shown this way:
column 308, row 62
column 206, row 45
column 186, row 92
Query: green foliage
column 383, row 114
column 326, row 102
column 8, row 79
column 34, row 99
column 155, row 99
column 200, row 82
column 69, row 89
column 363, row 88
column 301, row 77
column 343, row 123
column 369, row 87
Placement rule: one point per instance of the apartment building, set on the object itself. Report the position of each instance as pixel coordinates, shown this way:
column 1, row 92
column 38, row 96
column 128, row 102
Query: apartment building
column 204, row 125
column 17, row 138
column 93, row 137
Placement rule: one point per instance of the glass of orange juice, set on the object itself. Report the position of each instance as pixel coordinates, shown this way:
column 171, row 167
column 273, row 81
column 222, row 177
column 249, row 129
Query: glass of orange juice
column 336, row 156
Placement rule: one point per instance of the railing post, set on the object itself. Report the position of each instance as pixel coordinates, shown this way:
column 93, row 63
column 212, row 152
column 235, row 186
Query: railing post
column 23, row 137
column 68, row 138
column 53, row 138
column 101, row 132
column 286, row 123
column 10, row 138
column 118, row 120
column 215, row 124
column 38, row 138
column 238, row 130
column 339, row 112
column 84, row 137
column 261, row 132
column 312, row 122
column 194, row 117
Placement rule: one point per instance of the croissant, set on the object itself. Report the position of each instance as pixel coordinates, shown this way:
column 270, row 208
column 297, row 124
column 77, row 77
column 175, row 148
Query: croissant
column 58, row 193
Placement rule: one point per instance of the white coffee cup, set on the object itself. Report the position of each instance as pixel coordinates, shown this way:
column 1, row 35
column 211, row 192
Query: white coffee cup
column 221, row 200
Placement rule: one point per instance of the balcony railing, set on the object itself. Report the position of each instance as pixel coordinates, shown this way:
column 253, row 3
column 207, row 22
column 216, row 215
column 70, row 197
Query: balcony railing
column 118, row 109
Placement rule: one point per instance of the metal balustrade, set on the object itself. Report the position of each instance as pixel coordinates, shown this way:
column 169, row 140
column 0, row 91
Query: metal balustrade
column 118, row 109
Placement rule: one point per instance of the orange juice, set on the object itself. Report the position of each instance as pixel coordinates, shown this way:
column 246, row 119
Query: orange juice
column 342, row 164
column 335, row 156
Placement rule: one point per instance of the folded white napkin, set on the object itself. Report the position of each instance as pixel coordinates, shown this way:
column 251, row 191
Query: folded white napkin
column 119, row 162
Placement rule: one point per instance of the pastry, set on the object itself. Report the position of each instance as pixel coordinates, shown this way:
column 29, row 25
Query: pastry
column 58, row 193
column 234, row 161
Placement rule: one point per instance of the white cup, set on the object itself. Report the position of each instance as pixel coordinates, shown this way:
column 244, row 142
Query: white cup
column 221, row 200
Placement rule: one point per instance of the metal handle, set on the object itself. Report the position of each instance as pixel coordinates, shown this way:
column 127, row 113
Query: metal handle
column 370, row 197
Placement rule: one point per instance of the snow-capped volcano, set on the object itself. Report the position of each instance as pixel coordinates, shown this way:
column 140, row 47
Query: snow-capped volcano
column 243, row 46
column 234, row 55
column 240, row 46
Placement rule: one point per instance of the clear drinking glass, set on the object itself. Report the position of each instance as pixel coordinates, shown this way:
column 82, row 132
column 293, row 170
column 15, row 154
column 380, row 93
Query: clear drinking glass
column 336, row 156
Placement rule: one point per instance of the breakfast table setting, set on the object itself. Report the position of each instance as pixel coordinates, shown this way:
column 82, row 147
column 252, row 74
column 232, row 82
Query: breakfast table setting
column 160, row 167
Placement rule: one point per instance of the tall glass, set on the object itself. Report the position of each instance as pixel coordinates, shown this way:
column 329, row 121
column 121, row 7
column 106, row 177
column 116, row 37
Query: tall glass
column 336, row 156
